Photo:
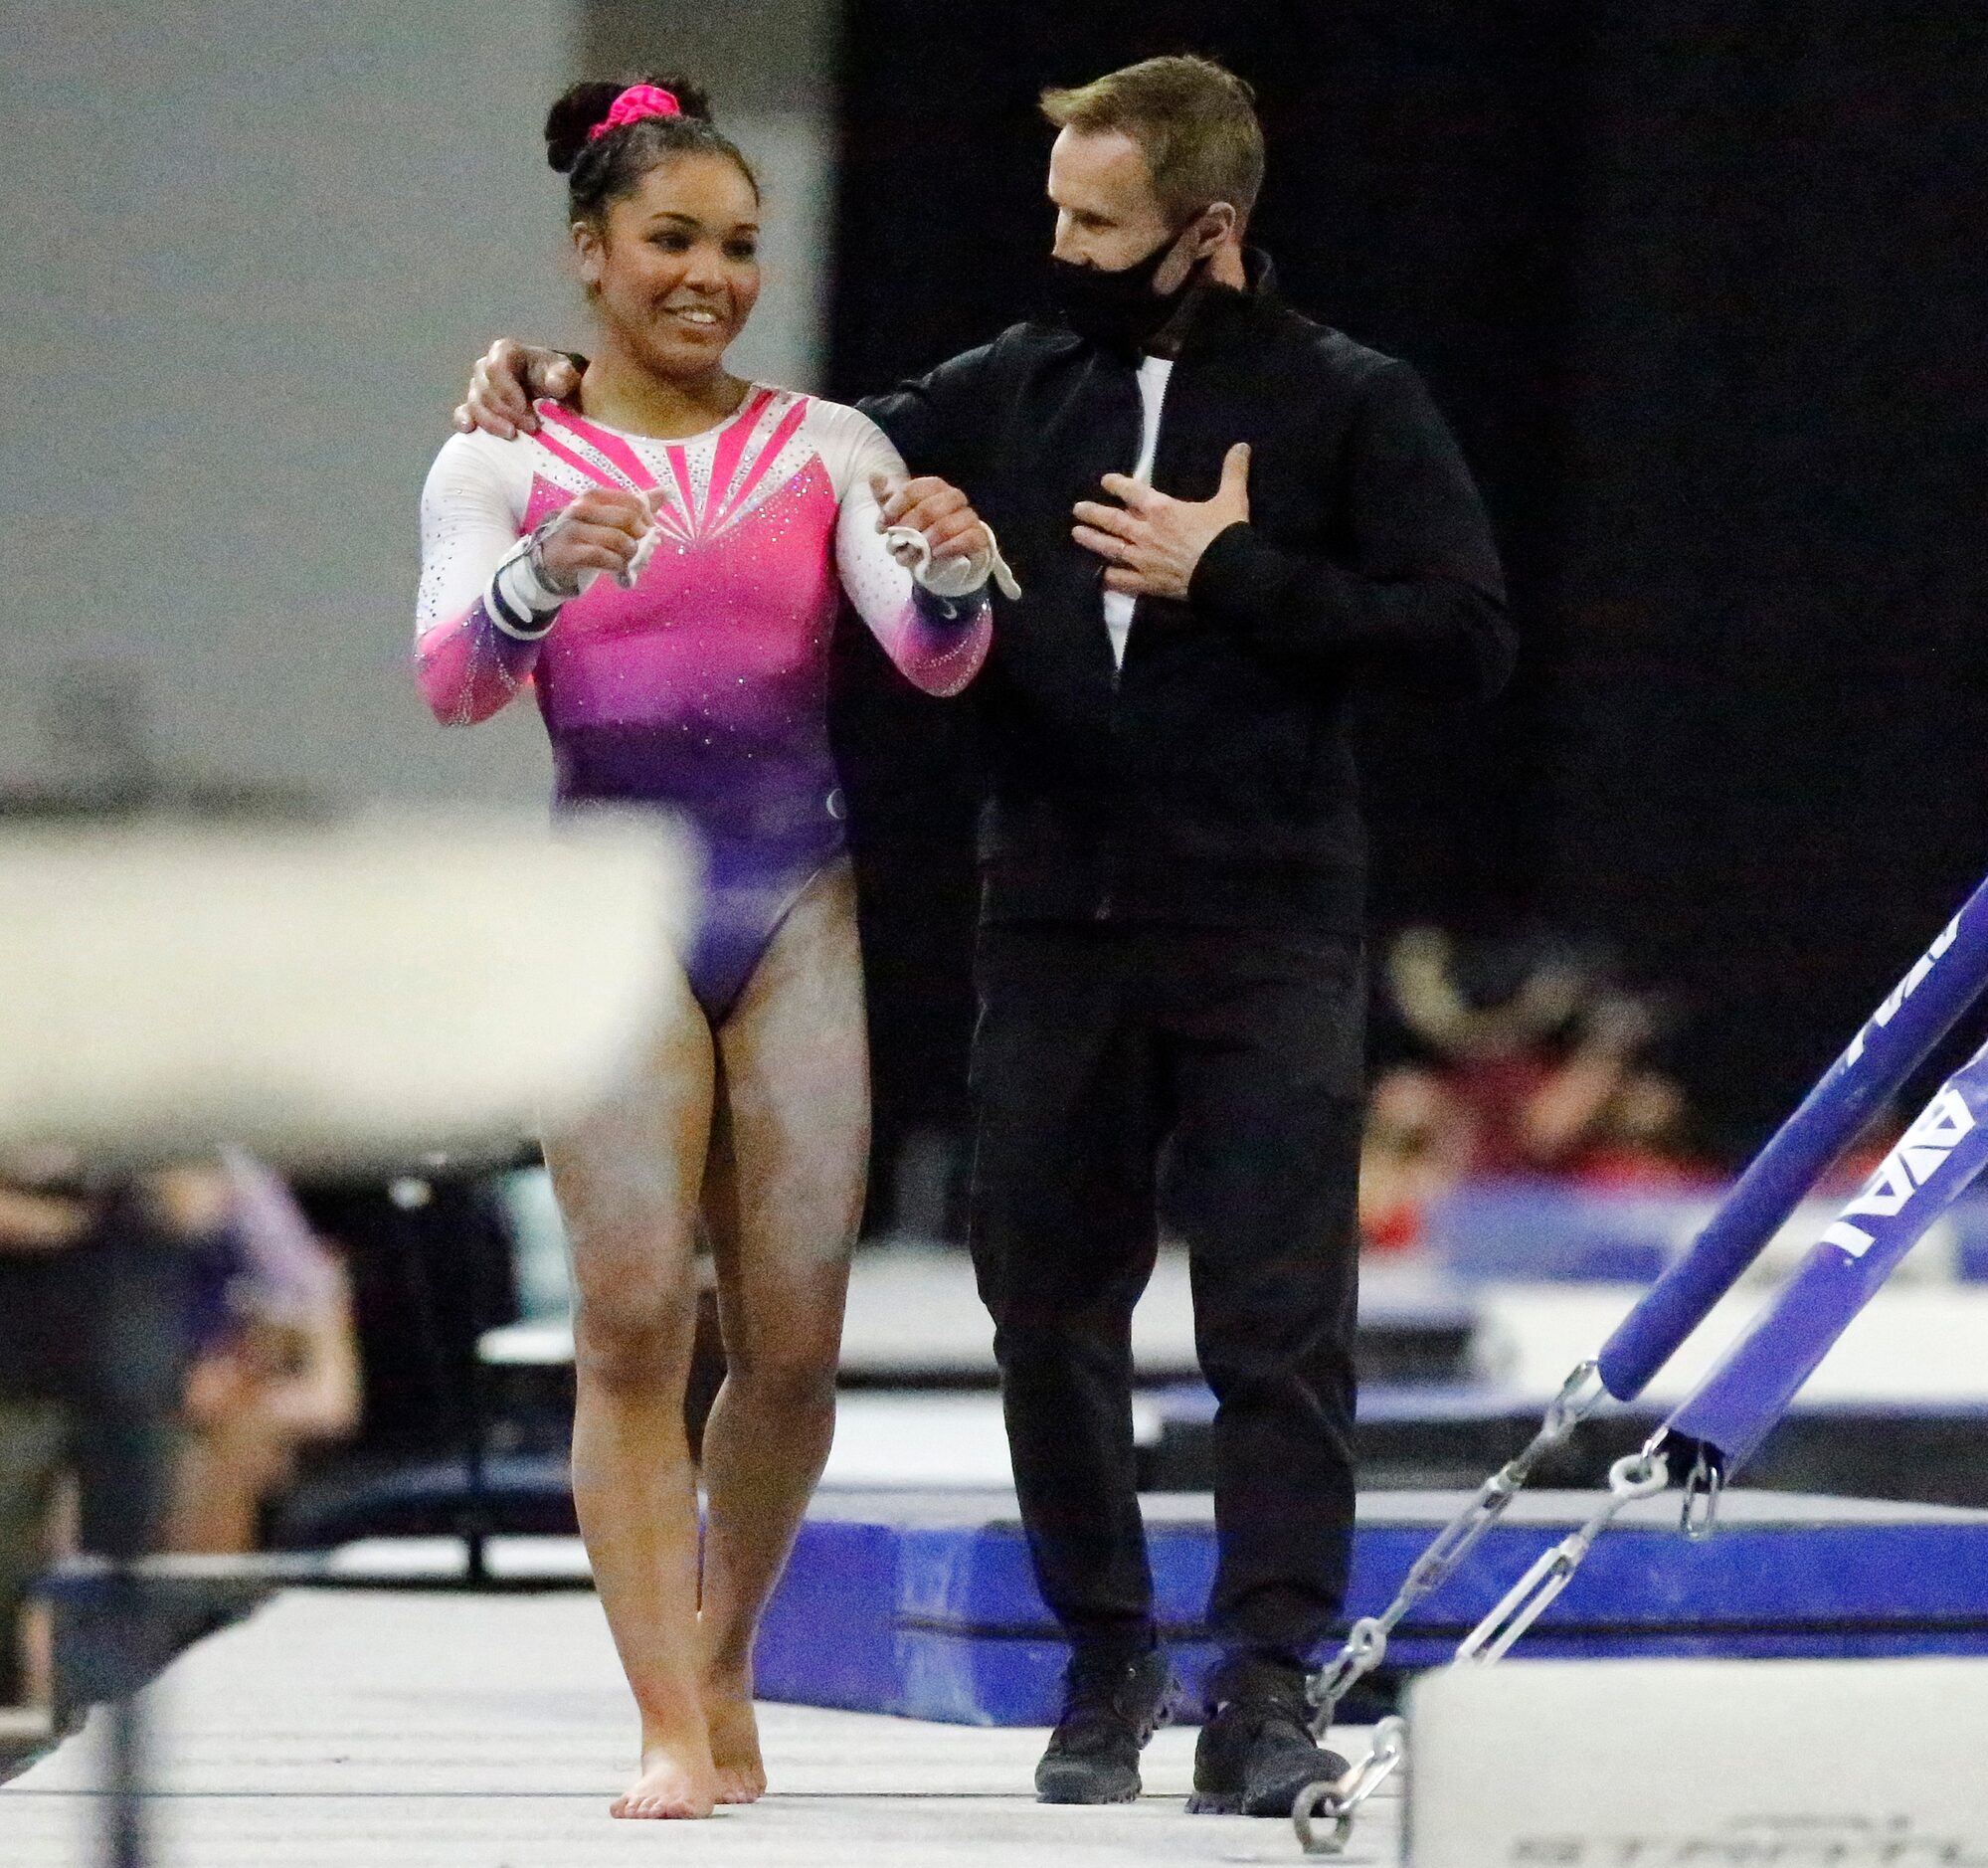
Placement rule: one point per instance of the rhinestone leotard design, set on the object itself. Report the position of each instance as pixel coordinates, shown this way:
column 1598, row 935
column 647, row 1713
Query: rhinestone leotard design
column 702, row 689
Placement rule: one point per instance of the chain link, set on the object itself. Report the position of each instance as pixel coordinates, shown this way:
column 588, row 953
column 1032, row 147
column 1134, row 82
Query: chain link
column 1367, row 1643
column 1338, row 1801
column 1703, row 1489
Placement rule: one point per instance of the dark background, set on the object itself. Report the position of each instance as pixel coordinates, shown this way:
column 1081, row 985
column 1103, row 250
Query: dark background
column 1698, row 287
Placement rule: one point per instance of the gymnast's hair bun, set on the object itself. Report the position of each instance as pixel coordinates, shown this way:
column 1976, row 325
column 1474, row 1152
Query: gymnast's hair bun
column 570, row 123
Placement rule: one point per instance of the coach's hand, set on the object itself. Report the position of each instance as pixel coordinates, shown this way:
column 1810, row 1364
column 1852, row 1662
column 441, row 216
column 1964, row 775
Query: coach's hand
column 1151, row 541
column 508, row 378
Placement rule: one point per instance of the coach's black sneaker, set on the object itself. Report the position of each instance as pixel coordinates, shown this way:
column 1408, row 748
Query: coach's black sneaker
column 1256, row 1751
column 1111, row 1704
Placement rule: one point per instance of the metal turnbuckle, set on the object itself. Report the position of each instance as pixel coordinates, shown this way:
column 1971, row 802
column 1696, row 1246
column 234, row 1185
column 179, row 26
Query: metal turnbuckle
column 1338, row 1801
column 1634, row 1476
column 1367, row 1643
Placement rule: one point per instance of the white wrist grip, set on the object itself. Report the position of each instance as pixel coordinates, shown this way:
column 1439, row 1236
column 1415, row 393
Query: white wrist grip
column 956, row 576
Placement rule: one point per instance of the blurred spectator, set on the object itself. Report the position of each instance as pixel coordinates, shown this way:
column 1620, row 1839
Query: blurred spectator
column 276, row 1363
column 274, row 1366
column 1515, row 1058
column 1640, row 1143
column 1534, row 1044
column 1415, row 1148
column 35, row 1220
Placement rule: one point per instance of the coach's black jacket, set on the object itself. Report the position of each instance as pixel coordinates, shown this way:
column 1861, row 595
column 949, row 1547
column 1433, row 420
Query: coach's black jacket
column 1209, row 781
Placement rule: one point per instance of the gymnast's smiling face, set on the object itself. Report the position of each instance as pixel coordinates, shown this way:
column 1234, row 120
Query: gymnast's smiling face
column 672, row 267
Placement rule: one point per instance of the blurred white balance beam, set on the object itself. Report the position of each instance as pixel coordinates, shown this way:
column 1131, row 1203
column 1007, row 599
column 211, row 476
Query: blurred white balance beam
column 363, row 994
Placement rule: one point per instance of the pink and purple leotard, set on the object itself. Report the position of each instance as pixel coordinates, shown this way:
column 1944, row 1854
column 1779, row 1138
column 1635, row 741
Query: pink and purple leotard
column 702, row 689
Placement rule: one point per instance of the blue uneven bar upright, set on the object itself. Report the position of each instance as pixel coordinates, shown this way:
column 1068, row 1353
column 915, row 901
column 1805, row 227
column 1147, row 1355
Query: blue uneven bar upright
column 1919, row 1011
column 1738, row 1405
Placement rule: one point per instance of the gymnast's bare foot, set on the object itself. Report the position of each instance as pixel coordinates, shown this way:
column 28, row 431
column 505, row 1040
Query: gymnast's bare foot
column 677, row 1779
column 735, row 1737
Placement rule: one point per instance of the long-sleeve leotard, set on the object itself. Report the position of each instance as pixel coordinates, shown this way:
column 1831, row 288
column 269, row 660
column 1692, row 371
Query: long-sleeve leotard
column 703, row 688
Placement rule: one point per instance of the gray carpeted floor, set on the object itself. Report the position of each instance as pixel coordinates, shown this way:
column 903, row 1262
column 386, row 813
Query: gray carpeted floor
column 490, row 1732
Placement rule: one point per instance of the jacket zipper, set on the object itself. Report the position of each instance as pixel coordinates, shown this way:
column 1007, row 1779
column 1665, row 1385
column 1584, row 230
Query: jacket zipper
column 1106, row 904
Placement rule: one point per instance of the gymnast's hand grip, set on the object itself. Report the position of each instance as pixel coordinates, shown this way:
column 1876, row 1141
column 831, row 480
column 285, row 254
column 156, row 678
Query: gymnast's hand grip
column 952, row 577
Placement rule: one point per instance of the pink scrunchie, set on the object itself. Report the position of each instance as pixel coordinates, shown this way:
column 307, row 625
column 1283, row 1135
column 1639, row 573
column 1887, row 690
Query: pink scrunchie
column 634, row 104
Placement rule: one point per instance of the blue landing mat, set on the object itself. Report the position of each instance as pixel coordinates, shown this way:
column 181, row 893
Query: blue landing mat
column 923, row 1605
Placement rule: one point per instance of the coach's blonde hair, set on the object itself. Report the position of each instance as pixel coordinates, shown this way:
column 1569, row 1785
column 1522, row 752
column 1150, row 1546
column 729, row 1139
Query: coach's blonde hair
column 1195, row 123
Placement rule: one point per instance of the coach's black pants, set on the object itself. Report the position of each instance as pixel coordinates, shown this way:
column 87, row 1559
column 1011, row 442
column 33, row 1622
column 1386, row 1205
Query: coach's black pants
column 1097, row 1045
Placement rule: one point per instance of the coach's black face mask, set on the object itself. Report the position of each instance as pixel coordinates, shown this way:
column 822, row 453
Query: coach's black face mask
column 1118, row 308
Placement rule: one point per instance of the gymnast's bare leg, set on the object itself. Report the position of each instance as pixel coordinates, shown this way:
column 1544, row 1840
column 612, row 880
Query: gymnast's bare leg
column 777, row 1106
column 628, row 1177
column 783, row 1196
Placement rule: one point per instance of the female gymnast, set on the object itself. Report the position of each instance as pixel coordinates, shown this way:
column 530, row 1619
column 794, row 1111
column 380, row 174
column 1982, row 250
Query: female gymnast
column 664, row 567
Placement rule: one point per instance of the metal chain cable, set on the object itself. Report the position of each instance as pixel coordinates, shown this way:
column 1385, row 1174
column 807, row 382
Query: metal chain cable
column 1367, row 1643
column 1636, row 1477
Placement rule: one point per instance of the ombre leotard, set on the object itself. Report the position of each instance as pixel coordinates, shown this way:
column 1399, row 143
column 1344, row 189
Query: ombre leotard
column 703, row 689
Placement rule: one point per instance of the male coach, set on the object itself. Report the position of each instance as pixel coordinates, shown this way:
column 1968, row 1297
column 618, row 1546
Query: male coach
column 1223, row 516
